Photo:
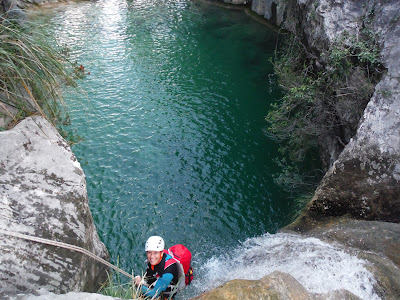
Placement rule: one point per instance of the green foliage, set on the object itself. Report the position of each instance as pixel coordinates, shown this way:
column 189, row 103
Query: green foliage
column 324, row 99
column 288, row 118
column 292, row 177
column 31, row 72
column 299, row 203
column 349, row 51
column 116, row 289
column 71, row 135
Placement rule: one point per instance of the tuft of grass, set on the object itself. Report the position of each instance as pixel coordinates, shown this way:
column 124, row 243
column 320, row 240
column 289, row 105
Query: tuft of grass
column 115, row 288
column 31, row 72
column 128, row 290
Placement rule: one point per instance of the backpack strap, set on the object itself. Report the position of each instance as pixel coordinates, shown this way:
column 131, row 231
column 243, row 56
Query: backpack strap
column 169, row 261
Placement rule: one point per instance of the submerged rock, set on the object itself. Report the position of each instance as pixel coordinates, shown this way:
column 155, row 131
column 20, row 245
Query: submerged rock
column 43, row 194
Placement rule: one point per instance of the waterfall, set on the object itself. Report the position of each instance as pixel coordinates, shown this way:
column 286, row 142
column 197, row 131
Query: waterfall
column 320, row 267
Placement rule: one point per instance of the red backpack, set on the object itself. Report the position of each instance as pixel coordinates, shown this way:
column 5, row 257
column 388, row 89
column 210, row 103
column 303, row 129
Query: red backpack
column 183, row 256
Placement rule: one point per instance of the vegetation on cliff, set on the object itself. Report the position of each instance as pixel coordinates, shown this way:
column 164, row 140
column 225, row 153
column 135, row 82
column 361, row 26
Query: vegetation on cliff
column 30, row 74
column 325, row 97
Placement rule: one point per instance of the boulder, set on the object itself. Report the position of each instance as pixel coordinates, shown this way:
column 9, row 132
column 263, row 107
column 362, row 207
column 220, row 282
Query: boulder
column 276, row 285
column 43, row 194
column 365, row 179
column 13, row 9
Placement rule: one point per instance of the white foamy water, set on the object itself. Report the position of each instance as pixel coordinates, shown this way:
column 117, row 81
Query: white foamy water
column 318, row 266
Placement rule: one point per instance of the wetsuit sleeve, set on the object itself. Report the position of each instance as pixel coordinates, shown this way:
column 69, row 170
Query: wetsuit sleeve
column 161, row 285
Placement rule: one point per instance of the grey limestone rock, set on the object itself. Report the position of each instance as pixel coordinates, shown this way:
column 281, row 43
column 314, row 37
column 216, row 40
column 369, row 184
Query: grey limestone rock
column 273, row 11
column 364, row 178
column 276, row 285
column 43, row 194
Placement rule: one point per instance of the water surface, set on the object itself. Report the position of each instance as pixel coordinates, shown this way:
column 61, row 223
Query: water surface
column 172, row 115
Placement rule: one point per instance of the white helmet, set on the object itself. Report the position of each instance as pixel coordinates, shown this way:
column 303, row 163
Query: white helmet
column 154, row 243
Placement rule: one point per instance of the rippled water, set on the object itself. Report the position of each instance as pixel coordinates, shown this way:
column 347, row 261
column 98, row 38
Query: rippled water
column 172, row 115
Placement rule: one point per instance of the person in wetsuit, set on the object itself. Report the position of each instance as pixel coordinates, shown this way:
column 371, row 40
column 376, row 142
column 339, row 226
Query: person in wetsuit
column 162, row 273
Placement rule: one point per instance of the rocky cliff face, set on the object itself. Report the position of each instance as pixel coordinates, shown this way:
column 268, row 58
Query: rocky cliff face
column 43, row 194
column 364, row 180
column 14, row 8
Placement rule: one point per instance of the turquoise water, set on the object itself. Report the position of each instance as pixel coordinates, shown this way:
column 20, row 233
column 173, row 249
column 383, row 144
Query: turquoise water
column 172, row 115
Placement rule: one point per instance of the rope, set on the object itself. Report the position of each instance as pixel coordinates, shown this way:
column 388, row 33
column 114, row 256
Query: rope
column 65, row 246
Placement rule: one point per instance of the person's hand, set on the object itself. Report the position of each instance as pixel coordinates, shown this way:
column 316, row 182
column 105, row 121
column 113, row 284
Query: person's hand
column 138, row 279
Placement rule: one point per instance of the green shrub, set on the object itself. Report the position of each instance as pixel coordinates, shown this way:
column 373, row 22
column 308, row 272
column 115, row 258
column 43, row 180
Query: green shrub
column 31, row 72
column 324, row 100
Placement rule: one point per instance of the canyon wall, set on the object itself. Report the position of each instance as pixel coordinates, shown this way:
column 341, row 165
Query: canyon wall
column 43, row 194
